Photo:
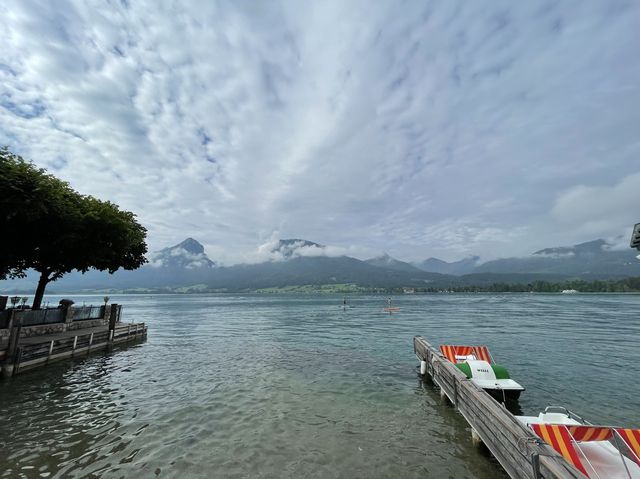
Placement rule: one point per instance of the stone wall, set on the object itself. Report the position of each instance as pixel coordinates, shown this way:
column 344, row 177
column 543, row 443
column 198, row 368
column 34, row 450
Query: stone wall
column 68, row 325
column 87, row 323
column 53, row 328
column 40, row 329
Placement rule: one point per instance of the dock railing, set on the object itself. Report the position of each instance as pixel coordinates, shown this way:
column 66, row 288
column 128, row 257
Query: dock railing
column 81, row 313
column 36, row 353
column 520, row 452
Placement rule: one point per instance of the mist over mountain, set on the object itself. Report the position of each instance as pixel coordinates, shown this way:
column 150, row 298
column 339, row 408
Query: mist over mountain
column 386, row 261
column 297, row 262
column 435, row 265
column 591, row 260
column 188, row 254
column 287, row 248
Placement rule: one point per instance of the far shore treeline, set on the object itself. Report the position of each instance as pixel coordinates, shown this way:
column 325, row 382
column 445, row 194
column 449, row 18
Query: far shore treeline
column 626, row 285
column 49, row 227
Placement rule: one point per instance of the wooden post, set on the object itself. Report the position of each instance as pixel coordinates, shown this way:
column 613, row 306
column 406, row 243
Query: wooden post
column 455, row 392
column 475, row 437
column 75, row 343
column 50, row 349
column 535, row 464
column 16, row 361
column 90, row 343
column 128, row 332
column 14, row 339
column 15, row 326
column 113, row 316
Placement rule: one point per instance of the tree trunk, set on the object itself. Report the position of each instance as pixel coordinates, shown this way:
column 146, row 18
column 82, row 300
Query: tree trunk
column 42, row 284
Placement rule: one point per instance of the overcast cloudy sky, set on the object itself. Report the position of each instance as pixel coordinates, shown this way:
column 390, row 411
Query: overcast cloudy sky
column 419, row 128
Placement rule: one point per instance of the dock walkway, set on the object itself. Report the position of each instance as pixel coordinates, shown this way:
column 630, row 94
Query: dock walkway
column 40, row 350
column 520, row 452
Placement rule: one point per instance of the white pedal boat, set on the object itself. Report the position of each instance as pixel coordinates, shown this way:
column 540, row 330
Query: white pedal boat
column 599, row 452
column 478, row 365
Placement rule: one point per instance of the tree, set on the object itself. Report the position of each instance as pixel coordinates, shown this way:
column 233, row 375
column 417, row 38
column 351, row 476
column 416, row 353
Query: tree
column 53, row 229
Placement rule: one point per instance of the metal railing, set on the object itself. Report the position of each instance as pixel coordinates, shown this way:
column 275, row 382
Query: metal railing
column 41, row 316
column 35, row 317
column 88, row 312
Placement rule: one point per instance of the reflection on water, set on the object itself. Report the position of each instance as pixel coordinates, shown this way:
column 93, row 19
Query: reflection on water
column 292, row 386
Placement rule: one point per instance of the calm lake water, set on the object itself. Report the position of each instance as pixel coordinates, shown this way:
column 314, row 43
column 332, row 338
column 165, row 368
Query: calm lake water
column 293, row 386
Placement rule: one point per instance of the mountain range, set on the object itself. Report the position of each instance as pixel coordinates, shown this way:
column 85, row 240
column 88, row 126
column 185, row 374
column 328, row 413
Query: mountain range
column 591, row 260
column 295, row 262
column 463, row 266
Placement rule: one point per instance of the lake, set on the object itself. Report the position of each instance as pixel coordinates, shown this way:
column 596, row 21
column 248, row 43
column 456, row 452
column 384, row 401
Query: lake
column 294, row 386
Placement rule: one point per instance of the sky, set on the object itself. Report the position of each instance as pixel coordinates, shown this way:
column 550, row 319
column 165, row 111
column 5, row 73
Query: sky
column 426, row 128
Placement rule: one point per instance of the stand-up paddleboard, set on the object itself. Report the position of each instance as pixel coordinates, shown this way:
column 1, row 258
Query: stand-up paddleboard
column 389, row 308
column 345, row 305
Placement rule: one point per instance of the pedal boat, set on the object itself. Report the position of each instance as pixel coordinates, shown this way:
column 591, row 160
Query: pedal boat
column 478, row 365
column 598, row 452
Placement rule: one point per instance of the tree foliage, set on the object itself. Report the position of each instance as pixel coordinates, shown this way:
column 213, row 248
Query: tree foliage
column 53, row 229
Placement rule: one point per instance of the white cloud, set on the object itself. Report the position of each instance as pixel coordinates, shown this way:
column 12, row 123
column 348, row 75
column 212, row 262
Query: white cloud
column 272, row 250
column 556, row 255
column 600, row 210
column 427, row 129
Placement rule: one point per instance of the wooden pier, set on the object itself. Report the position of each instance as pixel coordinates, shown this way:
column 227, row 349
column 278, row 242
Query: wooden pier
column 520, row 452
column 26, row 345
column 38, row 351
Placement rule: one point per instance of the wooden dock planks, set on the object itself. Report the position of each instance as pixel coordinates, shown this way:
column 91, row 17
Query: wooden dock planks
column 517, row 448
column 40, row 351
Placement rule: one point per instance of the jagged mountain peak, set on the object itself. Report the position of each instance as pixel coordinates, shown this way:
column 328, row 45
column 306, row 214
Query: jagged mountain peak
column 190, row 245
column 187, row 254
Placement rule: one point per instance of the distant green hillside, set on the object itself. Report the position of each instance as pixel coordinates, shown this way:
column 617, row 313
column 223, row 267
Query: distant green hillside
column 313, row 288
